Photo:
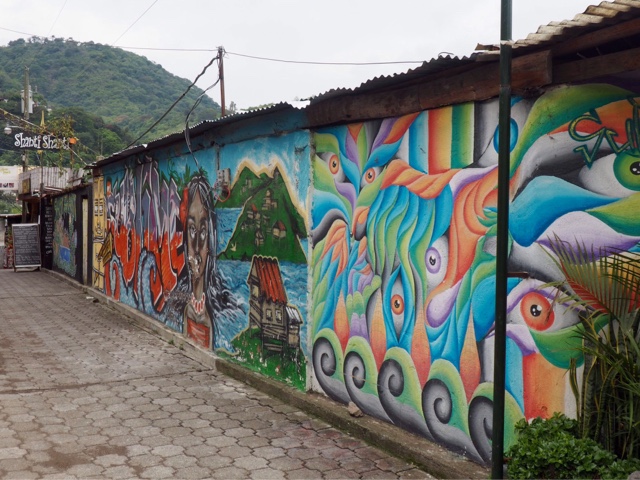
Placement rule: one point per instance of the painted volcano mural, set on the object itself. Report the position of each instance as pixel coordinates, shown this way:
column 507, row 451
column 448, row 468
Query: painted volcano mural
column 268, row 224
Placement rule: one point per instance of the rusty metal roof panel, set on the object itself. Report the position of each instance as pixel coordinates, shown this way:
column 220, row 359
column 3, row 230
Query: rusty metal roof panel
column 428, row 68
column 594, row 17
column 194, row 130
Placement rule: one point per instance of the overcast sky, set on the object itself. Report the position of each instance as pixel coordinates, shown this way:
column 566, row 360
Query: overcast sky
column 320, row 31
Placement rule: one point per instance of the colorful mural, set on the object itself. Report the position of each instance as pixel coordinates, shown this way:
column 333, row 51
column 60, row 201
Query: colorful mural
column 99, row 225
column 180, row 239
column 65, row 234
column 403, row 263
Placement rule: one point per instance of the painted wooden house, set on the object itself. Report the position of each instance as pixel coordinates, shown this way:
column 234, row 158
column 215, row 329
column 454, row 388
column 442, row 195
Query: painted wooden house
column 279, row 230
column 269, row 310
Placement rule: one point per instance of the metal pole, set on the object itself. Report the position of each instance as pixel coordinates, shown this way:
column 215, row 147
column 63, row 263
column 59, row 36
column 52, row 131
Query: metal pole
column 223, row 111
column 504, row 167
column 25, row 155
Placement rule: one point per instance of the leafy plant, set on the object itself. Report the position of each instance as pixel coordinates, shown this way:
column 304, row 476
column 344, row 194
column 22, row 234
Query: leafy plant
column 550, row 449
column 605, row 286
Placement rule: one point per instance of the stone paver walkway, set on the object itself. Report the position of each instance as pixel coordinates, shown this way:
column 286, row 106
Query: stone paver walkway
column 84, row 394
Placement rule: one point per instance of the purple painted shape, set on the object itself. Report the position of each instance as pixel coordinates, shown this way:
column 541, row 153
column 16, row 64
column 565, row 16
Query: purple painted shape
column 348, row 191
column 359, row 326
column 440, row 306
column 383, row 132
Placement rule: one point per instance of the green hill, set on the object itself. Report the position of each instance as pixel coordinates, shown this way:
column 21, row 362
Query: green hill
column 123, row 89
column 269, row 223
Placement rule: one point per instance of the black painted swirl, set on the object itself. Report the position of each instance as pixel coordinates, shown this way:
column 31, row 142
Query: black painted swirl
column 391, row 384
column 355, row 372
column 355, row 379
column 437, row 406
column 481, row 425
column 325, row 366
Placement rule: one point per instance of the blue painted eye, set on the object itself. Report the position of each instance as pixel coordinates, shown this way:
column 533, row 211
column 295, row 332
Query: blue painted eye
column 513, row 136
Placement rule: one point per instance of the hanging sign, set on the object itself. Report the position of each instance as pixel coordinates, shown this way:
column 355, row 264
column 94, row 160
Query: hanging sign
column 26, row 141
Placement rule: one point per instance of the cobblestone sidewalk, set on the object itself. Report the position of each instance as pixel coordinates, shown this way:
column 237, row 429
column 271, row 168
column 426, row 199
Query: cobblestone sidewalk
column 84, row 394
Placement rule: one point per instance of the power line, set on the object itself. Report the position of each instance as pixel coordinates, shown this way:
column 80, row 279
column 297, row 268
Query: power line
column 136, row 21
column 320, row 63
column 172, row 49
column 57, row 17
column 304, row 62
column 18, row 31
column 174, row 103
column 254, row 57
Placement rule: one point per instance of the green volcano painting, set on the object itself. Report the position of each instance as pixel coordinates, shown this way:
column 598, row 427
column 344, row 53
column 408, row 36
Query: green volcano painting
column 269, row 224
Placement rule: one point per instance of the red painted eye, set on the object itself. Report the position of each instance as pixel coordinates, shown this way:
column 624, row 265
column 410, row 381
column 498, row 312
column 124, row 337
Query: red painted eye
column 537, row 311
column 334, row 164
column 397, row 304
column 370, row 175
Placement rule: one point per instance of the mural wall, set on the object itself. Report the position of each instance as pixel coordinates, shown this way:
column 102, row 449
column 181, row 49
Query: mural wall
column 404, row 245
column 214, row 246
column 65, row 234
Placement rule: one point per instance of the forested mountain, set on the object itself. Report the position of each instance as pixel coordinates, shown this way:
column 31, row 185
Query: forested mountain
column 112, row 95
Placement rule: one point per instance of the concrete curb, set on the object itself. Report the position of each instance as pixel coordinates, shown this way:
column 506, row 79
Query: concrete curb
column 430, row 457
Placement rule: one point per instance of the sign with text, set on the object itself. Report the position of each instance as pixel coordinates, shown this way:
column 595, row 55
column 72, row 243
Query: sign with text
column 32, row 141
column 26, row 245
column 9, row 177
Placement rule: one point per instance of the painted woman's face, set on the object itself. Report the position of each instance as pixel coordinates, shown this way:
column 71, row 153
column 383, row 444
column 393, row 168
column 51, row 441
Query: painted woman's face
column 197, row 237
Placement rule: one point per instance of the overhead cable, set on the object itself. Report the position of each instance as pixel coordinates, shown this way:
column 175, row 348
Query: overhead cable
column 135, row 21
column 174, row 103
column 57, row 17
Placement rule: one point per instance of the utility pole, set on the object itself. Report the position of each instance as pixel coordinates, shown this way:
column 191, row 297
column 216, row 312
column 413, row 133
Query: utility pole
column 25, row 115
column 502, row 245
column 221, row 77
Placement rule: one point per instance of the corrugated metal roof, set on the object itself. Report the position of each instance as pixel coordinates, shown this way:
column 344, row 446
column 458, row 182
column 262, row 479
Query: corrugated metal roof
column 268, row 271
column 193, row 131
column 592, row 19
column 428, row 68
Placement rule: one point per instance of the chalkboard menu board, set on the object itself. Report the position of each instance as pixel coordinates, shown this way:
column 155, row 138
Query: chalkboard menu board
column 26, row 245
column 46, row 232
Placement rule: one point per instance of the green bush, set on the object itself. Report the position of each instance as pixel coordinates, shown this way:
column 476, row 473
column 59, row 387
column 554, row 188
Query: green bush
column 551, row 449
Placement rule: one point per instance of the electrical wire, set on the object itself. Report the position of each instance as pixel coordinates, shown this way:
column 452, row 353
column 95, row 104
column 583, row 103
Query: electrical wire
column 57, row 17
column 135, row 21
column 187, row 137
column 174, row 103
column 280, row 60
column 18, row 31
column 268, row 59
column 254, row 57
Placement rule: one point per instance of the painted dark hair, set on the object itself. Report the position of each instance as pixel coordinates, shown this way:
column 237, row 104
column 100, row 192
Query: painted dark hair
column 219, row 299
column 200, row 185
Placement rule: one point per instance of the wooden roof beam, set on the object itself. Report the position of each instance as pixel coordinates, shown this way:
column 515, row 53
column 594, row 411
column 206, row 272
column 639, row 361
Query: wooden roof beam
column 597, row 67
column 481, row 83
column 597, row 38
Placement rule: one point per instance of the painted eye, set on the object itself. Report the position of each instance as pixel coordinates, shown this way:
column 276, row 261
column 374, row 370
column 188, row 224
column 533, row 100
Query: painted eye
column 627, row 170
column 513, row 138
column 537, row 311
column 192, row 231
column 370, row 175
column 397, row 304
column 433, row 260
column 203, row 233
column 334, row 164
